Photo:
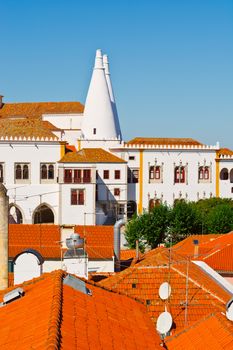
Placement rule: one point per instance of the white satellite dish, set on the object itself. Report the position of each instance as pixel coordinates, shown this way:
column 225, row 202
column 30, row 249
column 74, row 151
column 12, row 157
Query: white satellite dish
column 164, row 322
column 165, row 291
column 229, row 312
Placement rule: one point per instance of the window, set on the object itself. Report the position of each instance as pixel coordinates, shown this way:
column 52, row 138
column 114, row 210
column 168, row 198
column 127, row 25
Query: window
column 77, row 197
column 133, row 175
column 116, row 192
column 77, row 176
column 22, row 172
column 1, row 173
column 117, row 174
column 131, row 157
column 204, row 173
column 154, row 173
column 47, row 171
column 179, row 174
column 94, row 131
column 86, row 176
column 224, row 174
column 106, row 174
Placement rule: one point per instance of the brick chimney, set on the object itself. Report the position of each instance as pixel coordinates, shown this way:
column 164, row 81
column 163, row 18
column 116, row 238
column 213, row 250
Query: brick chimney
column 1, row 101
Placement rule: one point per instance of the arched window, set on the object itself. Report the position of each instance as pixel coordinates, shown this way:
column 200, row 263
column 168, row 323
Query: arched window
column 43, row 172
column 206, row 173
column 151, row 204
column 15, row 215
column 154, row 173
column 201, row 173
column 224, row 174
column 18, row 172
column 179, row 174
column 51, row 172
column 25, row 172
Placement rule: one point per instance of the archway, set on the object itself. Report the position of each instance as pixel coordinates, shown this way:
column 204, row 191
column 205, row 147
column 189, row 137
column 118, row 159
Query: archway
column 43, row 215
column 15, row 214
column 224, row 174
column 131, row 209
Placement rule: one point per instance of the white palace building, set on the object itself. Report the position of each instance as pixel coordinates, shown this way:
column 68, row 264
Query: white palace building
column 67, row 164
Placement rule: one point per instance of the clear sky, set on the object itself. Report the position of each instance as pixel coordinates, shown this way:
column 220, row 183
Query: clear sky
column 171, row 60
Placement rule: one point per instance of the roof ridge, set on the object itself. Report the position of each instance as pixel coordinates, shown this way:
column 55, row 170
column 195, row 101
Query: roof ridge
column 53, row 339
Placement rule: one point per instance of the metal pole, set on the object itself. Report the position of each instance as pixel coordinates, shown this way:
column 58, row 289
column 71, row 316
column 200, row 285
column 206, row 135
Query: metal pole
column 186, row 294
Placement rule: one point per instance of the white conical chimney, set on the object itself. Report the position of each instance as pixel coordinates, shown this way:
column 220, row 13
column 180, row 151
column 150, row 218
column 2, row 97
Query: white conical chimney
column 112, row 97
column 98, row 120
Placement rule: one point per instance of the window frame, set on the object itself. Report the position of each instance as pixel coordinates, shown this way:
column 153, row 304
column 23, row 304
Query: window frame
column 106, row 174
column 46, row 168
column 77, row 193
column 22, row 172
column 117, row 174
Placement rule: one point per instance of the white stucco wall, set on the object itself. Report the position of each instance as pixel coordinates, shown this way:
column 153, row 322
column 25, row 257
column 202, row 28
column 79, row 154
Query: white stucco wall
column 226, row 186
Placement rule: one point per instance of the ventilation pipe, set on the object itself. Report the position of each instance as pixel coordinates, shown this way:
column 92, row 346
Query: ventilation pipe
column 4, row 204
column 117, row 242
column 196, row 248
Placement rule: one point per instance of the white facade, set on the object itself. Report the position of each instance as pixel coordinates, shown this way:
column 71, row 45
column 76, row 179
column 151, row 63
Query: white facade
column 35, row 199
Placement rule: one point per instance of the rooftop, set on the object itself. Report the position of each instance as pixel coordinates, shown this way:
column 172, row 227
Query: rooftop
column 91, row 155
column 142, row 281
column 25, row 128
column 52, row 315
column 36, row 109
column 163, row 141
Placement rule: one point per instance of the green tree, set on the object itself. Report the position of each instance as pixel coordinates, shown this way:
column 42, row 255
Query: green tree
column 220, row 219
column 148, row 228
column 185, row 220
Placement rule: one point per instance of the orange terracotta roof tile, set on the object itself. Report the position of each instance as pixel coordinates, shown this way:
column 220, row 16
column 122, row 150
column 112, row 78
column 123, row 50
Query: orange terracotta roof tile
column 27, row 128
column 43, row 238
column 213, row 332
column 91, row 155
column 52, row 315
column 36, row 109
column 142, row 282
column 99, row 240
column 186, row 246
column 221, row 260
column 225, row 152
column 164, row 141
column 127, row 254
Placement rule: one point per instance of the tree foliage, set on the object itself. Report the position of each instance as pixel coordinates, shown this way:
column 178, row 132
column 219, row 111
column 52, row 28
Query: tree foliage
column 214, row 215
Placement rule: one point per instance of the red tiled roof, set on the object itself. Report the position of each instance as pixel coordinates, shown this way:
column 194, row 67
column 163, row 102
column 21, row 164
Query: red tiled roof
column 163, row 141
column 186, row 246
column 216, row 250
column 127, row 254
column 213, row 332
column 43, row 238
column 91, row 155
column 20, row 128
column 55, row 316
column 71, row 148
column 99, row 240
column 142, row 281
column 36, row 109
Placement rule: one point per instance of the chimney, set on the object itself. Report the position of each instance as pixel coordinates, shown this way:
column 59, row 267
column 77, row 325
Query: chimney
column 196, row 248
column 1, row 101
column 4, row 204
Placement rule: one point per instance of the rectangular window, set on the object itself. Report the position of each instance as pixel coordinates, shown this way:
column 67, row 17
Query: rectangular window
column 77, row 197
column 106, row 174
column 131, row 158
column 116, row 192
column 179, row 174
column 133, row 175
column 77, row 176
column 22, row 172
column 86, row 176
column 117, row 174
column 68, row 176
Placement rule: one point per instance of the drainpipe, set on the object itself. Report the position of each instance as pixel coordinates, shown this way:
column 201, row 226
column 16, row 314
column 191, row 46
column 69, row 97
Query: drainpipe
column 117, row 243
column 4, row 204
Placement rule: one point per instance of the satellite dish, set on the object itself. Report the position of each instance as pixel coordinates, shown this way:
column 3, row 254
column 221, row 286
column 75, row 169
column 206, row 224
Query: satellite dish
column 165, row 291
column 229, row 312
column 164, row 322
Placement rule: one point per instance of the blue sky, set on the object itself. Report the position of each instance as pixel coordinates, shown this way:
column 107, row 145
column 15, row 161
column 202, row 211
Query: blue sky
column 171, row 60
